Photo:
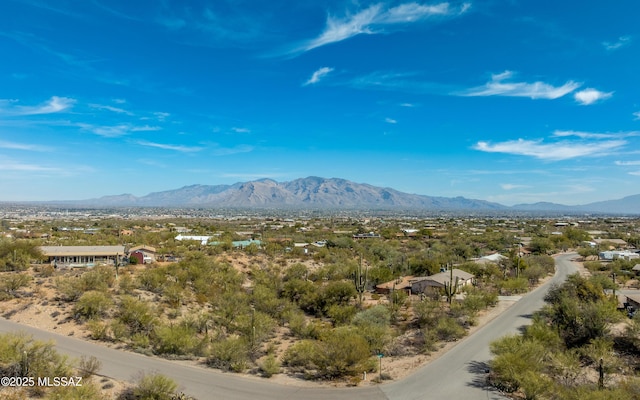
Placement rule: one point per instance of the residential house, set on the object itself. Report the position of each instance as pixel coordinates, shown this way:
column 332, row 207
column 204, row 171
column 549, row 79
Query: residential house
column 402, row 283
column 144, row 254
column 438, row 281
column 82, row 256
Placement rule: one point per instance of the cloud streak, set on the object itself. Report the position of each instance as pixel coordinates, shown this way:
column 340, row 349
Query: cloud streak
column 621, row 42
column 113, row 131
column 592, row 135
column 54, row 105
column 22, row 146
column 378, row 19
column 499, row 85
column 178, row 148
column 318, row 75
column 557, row 151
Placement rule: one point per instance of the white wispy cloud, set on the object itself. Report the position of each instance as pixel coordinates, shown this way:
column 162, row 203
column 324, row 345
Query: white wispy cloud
column 112, row 131
column 12, row 165
column 227, row 151
column 594, row 135
column 635, row 173
column 500, row 86
column 589, row 96
column 240, row 130
column 557, row 151
column 378, row 18
column 22, row 146
column 179, row 148
column 390, row 121
column 116, row 110
column 636, row 115
column 627, row 163
column 621, row 42
column 511, row 186
column 54, row 105
column 408, row 105
column 318, row 75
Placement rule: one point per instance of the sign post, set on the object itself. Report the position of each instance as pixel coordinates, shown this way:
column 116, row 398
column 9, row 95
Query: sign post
column 380, row 355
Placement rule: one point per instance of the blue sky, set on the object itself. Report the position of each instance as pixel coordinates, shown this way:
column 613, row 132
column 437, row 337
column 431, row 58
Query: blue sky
column 507, row 101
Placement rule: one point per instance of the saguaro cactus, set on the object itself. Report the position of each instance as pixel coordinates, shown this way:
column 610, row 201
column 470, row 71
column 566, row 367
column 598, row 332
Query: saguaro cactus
column 360, row 279
column 451, row 287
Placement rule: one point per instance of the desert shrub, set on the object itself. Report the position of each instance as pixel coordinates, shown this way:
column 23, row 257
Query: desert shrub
column 11, row 282
column 341, row 352
column 303, row 293
column 515, row 285
column 337, row 292
column 99, row 330
column 92, row 304
column 126, row 284
column 173, row 294
column 152, row 279
column 45, row 270
column 341, row 314
column 69, row 289
column 155, row 387
column 428, row 312
column 138, row 316
column 20, row 355
column 88, row 390
column 269, row 366
column 119, row 330
column 256, row 326
column 141, row 342
column 230, row 354
column 303, row 354
column 17, row 255
column 175, row 339
column 514, row 358
column 374, row 326
column 302, row 328
column 89, row 366
column 344, row 352
column 449, row 329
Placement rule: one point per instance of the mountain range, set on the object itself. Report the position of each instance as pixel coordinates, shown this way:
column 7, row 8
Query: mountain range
column 335, row 193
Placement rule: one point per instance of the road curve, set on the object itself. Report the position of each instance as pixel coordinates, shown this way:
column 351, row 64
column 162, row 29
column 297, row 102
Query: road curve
column 459, row 373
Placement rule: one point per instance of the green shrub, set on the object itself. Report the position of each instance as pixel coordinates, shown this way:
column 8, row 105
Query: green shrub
column 269, row 366
column 175, row 339
column 448, row 329
column 11, row 282
column 230, row 354
column 138, row 316
column 155, row 387
column 99, row 329
column 92, row 304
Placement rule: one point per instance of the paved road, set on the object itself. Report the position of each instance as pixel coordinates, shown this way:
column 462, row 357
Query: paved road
column 458, row 374
column 461, row 372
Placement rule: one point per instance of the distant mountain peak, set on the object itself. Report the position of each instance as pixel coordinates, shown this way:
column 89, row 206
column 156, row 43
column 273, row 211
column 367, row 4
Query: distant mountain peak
column 336, row 193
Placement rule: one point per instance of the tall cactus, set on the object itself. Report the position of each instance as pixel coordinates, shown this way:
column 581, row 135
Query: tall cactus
column 451, row 287
column 360, row 279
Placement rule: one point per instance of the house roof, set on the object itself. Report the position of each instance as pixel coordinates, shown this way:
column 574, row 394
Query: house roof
column 143, row 247
column 57, row 251
column 445, row 277
column 614, row 241
column 491, row 258
column 402, row 283
column 636, row 267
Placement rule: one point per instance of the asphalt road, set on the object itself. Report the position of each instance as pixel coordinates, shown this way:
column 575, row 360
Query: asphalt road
column 458, row 374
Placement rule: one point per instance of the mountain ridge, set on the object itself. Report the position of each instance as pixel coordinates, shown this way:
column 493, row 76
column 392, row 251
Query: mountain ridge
column 333, row 193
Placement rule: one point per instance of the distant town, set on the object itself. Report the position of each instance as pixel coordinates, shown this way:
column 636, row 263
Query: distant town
column 290, row 295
